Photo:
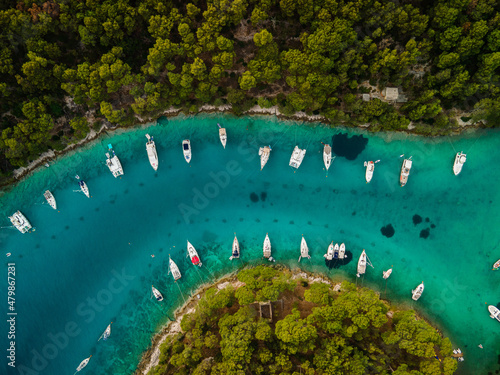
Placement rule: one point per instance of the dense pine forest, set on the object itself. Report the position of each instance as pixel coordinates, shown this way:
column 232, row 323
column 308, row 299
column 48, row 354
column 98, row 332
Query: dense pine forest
column 310, row 330
column 67, row 66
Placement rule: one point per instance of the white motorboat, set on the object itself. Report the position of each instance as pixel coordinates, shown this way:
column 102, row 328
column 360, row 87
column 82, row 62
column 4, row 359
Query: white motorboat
column 50, row 199
column 186, row 149
column 370, row 167
column 304, row 250
column 157, row 294
column 387, row 273
column 267, row 247
column 460, row 160
column 496, row 266
column 113, row 162
column 362, row 262
column 329, row 252
column 173, row 269
column 405, row 171
column 222, row 135
column 20, row 222
column 106, row 333
column 417, row 292
column 83, row 186
column 193, row 254
column 264, row 153
column 342, row 251
column 151, row 150
column 235, row 254
column 336, row 251
column 297, row 157
column 494, row 312
column 83, row 364
column 327, row 155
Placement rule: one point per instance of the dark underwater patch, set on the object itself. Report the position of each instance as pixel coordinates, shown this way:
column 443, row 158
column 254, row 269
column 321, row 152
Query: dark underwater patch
column 337, row 263
column 424, row 233
column 348, row 147
column 254, row 197
column 388, row 230
column 417, row 219
column 263, row 196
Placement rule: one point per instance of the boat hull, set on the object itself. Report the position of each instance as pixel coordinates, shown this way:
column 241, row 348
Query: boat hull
column 460, row 159
column 405, row 172
column 193, row 254
column 152, row 154
column 370, row 168
column 186, row 149
column 327, row 156
column 267, row 247
column 235, row 249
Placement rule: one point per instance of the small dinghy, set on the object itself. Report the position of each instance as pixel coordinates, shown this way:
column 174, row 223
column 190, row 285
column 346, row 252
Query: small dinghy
column 494, row 312
column 222, row 135
column 50, row 199
column 173, row 269
column 362, row 262
column 193, row 254
column 304, row 250
column 157, row 294
column 151, row 151
column 186, row 149
column 327, row 155
column 496, row 266
column 106, row 333
column 387, row 273
column 460, row 159
column 264, row 153
column 342, row 251
column 329, row 252
column 297, row 157
column 417, row 292
column 267, row 247
column 236, row 249
column 83, row 364
column 83, row 186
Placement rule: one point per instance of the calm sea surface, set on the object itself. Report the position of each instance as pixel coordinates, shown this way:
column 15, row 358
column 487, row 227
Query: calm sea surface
column 89, row 263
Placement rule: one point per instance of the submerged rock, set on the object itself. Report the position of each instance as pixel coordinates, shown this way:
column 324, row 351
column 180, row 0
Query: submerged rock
column 388, row 230
column 254, row 197
column 417, row 219
column 424, row 233
column 348, row 147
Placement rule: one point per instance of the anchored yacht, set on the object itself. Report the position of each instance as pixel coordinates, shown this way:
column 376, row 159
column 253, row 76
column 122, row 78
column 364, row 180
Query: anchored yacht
column 186, row 149
column 20, row 222
column 405, row 171
column 264, row 153
column 327, row 155
column 50, row 199
column 362, row 262
column 496, row 266
column 113, row 162
column 417, row 292
column 370, row 167
column 304, row 250
column 83, row 364
column 460, row 160
column 329, row 252
column 193, row 254
column 387, row 273
column 267, row 247
column 157, row 293
column 222, row 135
column 151, row 150
column 342, row 251
column 235, row 254
column 494, row 312
column 176, row 274
column 297, row 157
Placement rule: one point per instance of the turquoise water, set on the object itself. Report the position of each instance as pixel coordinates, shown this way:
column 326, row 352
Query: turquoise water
column 91, row 263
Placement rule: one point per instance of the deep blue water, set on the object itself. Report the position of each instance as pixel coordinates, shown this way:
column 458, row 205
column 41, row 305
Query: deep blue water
column 90, row 263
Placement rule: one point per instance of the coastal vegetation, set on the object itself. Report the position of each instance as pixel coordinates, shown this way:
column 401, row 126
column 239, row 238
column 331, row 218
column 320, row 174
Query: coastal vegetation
column 273, row 323
column 69, row 66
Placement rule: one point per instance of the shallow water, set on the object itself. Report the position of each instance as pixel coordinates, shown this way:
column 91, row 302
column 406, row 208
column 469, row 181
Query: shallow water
column 91, row 263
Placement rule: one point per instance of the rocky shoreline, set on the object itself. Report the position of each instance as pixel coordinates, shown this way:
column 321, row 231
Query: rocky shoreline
column 48, row 156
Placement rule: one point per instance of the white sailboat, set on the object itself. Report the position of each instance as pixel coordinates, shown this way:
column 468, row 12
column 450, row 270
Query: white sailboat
column 329, row 252
column 460, row 160
column 113, row 162
column 193, row 254
column 362, row 262
column 50, row 199
column 304, row 250
column 267, row 247
column 83, row 186
column 186, row 149
column 370, row 167
column 222, row 135
column 106, row 333
column 327, row 155
column 151, row 150
column 235, row 254
column 417, row 292
column 494, row 312
column 83, row 364
column 405, row 171
column 297, row 157
column 342, row 251
column 20, row 222
column 157, row 294
column 387, row 273
column 264, row 153
column 176, row 274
